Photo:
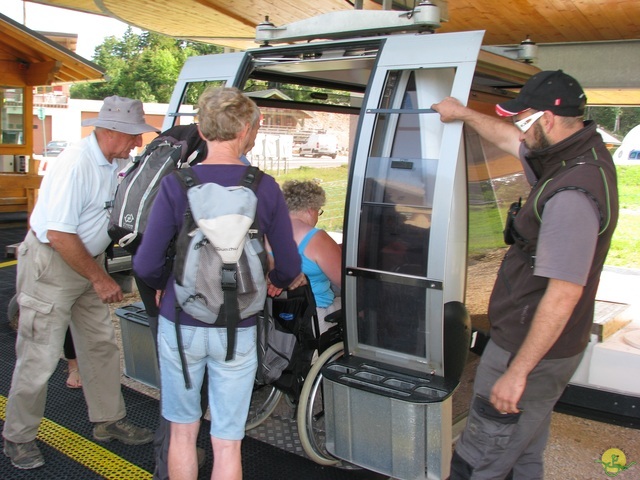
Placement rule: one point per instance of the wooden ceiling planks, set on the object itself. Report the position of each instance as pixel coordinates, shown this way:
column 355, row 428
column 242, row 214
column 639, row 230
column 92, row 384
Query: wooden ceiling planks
column 232, row 22
column 547, row 21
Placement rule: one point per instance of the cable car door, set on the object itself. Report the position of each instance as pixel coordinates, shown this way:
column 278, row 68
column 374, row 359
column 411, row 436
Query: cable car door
column 406, row 215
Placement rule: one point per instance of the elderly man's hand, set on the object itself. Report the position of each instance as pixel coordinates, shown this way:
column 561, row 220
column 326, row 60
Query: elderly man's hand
column 108, row 289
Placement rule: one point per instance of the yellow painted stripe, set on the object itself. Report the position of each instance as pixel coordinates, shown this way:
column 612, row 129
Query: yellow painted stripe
column 8, row 264
column 84, row 451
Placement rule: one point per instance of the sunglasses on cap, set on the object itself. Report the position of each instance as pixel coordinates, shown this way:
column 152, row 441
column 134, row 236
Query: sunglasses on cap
column 527, row 122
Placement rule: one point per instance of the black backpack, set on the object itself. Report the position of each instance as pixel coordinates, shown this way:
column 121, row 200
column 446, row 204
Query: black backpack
column 287, row 340
column 177, row 147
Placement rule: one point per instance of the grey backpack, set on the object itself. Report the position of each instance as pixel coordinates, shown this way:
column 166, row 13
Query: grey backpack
column 139, row 187
column 220, row 261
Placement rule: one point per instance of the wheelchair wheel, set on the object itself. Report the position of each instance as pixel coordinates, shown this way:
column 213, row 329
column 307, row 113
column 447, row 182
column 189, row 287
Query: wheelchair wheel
column 264, row 401
column 310, row 415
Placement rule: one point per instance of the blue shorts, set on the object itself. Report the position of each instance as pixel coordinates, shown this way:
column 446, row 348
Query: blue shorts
column 230, row 383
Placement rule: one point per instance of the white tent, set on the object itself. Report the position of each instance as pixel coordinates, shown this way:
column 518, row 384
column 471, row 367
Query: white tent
column 630, row 143
column 607, row 138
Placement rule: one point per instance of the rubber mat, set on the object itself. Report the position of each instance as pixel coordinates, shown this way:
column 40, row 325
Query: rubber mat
column 9, row 235
column 66, row 421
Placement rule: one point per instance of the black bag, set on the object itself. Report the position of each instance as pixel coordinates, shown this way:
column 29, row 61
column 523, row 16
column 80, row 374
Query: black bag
column 287, row 339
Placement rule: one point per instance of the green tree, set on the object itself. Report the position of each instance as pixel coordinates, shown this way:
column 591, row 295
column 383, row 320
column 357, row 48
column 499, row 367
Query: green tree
column 618, row 120
column 143, row 66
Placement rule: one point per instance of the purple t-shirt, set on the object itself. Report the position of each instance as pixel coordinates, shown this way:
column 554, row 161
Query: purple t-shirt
column 165, row 221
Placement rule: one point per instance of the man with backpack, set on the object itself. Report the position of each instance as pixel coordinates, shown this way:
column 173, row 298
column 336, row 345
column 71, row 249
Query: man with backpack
column 189, row 347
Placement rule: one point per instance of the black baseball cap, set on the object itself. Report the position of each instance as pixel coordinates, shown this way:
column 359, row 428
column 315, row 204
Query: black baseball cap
column 551, row 90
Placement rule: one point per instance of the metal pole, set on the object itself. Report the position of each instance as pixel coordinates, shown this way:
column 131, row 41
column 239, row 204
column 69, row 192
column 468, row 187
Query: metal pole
column 44, row 135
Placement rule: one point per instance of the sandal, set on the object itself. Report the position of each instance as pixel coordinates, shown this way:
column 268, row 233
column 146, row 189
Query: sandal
column 74, row 380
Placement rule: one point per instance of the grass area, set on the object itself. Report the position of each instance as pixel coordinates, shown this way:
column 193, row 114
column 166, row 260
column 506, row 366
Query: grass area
column 625, row 246
column 334, row 182
column 485, row 229
column 485, row 224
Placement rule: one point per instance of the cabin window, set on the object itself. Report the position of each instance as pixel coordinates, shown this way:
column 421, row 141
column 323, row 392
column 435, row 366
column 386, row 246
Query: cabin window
column 12, row 116
column 396, row 220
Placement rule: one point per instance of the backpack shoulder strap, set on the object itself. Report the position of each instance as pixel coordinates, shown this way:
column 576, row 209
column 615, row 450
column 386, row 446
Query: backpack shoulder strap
column 252, row 177
column 187, row 177
column 251, row 180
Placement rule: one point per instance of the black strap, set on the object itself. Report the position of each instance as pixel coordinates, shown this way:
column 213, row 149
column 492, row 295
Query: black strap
column 187, row 179
column 229, row 311
column 183, row 357
column 252, row 177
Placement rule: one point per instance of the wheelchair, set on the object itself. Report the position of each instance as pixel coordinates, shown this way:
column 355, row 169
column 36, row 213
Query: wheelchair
column 309, row 404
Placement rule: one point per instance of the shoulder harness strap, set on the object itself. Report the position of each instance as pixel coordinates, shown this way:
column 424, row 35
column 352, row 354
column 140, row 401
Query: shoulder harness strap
column 604, row 222
column 187, row 179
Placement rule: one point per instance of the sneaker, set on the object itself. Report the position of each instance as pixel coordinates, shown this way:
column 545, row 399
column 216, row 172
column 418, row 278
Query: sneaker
column 24, row 455
column 123, row 431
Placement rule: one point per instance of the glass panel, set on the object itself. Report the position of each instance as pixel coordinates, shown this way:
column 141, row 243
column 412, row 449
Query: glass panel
column 391, row 311
column 293, row 92
column 12, row 116
column 192, row 92
column 495, row 180
column 395, row 222
column 398, row 191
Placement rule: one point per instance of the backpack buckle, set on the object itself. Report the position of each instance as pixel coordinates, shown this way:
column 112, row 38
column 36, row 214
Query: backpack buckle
column 229, row 278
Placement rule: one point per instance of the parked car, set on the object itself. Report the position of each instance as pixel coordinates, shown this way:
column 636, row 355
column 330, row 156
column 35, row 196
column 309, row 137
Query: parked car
column 55, row 147
column 320, row 144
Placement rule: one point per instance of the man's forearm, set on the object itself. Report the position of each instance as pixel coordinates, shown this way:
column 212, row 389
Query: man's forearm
column 551, row 317
column 75, row 254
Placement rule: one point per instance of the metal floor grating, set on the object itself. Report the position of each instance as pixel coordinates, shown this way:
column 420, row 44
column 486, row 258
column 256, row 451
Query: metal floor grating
column 280, row 429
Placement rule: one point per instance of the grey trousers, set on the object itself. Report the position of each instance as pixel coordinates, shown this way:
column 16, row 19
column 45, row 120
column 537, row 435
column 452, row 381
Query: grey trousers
column 494, row 445
column 52, row 297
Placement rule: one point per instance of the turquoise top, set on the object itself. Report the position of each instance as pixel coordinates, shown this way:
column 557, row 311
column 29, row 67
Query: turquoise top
column 320, row 283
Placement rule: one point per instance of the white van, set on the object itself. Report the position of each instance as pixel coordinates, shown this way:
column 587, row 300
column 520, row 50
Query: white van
column 319, row 144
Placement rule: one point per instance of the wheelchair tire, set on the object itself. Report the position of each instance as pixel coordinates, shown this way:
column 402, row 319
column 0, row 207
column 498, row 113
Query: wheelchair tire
column 310, row 415
column 264, row 401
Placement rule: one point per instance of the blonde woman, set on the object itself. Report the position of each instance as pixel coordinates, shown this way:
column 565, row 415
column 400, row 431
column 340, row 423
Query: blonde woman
column 321, row 255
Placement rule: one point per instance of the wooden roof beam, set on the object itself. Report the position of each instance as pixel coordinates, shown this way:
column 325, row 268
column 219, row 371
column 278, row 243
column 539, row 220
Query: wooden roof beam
column 43, row 73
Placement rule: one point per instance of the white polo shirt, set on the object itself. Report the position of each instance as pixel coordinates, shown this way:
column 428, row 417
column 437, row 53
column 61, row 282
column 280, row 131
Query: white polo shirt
column 74, row 194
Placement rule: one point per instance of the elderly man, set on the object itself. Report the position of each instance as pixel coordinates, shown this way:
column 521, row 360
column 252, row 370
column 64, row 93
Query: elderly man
column 62, row 282
column 542, row 304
